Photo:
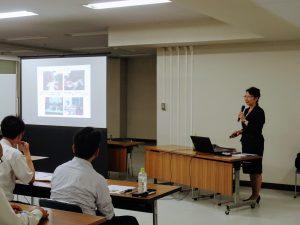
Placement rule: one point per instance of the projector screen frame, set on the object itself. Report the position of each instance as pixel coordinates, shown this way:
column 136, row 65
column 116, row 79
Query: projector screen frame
column 20, row 77
column 101, row 164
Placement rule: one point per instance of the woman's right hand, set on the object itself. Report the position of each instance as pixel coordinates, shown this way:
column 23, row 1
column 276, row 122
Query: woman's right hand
column 236, row 134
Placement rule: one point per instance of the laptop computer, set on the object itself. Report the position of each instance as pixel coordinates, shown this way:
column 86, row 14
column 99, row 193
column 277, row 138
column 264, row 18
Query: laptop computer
column 203, row 144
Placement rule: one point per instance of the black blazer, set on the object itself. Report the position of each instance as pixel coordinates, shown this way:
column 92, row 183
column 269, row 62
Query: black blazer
column 256, row 120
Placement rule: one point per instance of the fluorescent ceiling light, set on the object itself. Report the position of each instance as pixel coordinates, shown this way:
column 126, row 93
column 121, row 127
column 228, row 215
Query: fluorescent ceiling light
column 21, row 51
column 16, row 14
column 90, row 48
column 124, row 3
column 86, row 34
column 26, row 38
column 135, row 55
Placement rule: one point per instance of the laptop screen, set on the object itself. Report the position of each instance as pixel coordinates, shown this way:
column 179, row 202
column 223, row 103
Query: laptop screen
column 202, row 144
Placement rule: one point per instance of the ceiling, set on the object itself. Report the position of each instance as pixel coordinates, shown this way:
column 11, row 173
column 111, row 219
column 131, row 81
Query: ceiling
column 59, row 18
column 286, row 9
column 65, row 27
column 267, row 18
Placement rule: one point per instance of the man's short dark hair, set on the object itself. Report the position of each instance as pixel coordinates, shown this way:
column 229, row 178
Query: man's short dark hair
column 12, row 127
column 86, row 142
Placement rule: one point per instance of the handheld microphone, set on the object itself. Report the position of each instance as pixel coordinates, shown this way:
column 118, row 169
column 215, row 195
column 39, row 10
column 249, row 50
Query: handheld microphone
column 242, row 110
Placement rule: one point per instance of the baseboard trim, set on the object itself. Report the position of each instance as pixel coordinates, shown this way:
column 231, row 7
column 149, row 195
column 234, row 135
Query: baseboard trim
column 283, row 187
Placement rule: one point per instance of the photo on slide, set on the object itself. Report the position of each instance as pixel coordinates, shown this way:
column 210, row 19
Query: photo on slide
column 52, row 81
column 74, row 80
column 64, row 91
column 73, row 106
column 54, row 106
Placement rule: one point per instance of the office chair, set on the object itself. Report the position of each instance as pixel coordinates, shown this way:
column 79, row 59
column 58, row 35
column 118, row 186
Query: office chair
column 48, row 203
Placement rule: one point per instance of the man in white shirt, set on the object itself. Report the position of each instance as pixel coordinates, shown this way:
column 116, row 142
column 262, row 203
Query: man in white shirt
column 9, row 217
column 16, row 160
column 77, row 182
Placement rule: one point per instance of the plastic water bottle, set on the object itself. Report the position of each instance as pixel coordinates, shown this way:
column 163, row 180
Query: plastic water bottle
column 142, row 181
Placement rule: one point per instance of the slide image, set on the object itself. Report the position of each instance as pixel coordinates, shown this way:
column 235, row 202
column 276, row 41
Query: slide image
column 52, row 81
column 73, row 106
column 74, row 80
column 54, row 106
column 64, row 91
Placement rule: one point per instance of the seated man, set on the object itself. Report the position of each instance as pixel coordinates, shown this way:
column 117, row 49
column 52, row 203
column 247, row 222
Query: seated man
column 9, row 217
column 77, row 182
column 16, row 160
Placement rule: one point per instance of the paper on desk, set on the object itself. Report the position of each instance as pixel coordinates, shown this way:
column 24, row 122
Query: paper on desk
column 118, row 189
column 36, row 158
column 243, row 155
column 41, row 176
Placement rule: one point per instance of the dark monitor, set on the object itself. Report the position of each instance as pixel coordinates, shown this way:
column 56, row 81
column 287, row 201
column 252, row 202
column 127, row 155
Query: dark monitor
column 202, row 144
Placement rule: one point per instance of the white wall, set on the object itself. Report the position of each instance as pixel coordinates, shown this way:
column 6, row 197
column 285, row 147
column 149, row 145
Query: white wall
column 9, row 90
column 141, row 97
column 131, row 97
column 204, row 87
column 114, row 97
column 8, row 95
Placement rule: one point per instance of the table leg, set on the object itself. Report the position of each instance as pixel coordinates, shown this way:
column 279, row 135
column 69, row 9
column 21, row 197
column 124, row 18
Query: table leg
column 237, row 185
column 155, row 219
column 236, row 197
column 129, row 166
column 126, row 163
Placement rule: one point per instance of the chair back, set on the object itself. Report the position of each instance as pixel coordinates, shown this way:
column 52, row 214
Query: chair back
column 48, row 203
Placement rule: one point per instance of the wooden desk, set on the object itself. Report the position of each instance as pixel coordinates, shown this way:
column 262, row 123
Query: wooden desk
column 118, row 152
column 59, row 217
column 123, row 201
column 182, row 165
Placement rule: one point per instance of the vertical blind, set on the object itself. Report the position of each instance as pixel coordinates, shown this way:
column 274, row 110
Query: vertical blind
column 175, row 88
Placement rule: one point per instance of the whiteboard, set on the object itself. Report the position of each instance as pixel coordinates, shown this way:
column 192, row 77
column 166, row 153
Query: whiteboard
column 8, row 97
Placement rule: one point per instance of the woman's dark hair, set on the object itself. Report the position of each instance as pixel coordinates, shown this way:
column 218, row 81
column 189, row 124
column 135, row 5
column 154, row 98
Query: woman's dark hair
column 86, row 142
column 12, row 127
column 253, row 91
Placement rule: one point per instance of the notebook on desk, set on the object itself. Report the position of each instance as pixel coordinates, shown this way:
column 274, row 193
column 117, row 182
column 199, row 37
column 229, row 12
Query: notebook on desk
column 119, row 189
column 42, row 176
column 203, row 144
